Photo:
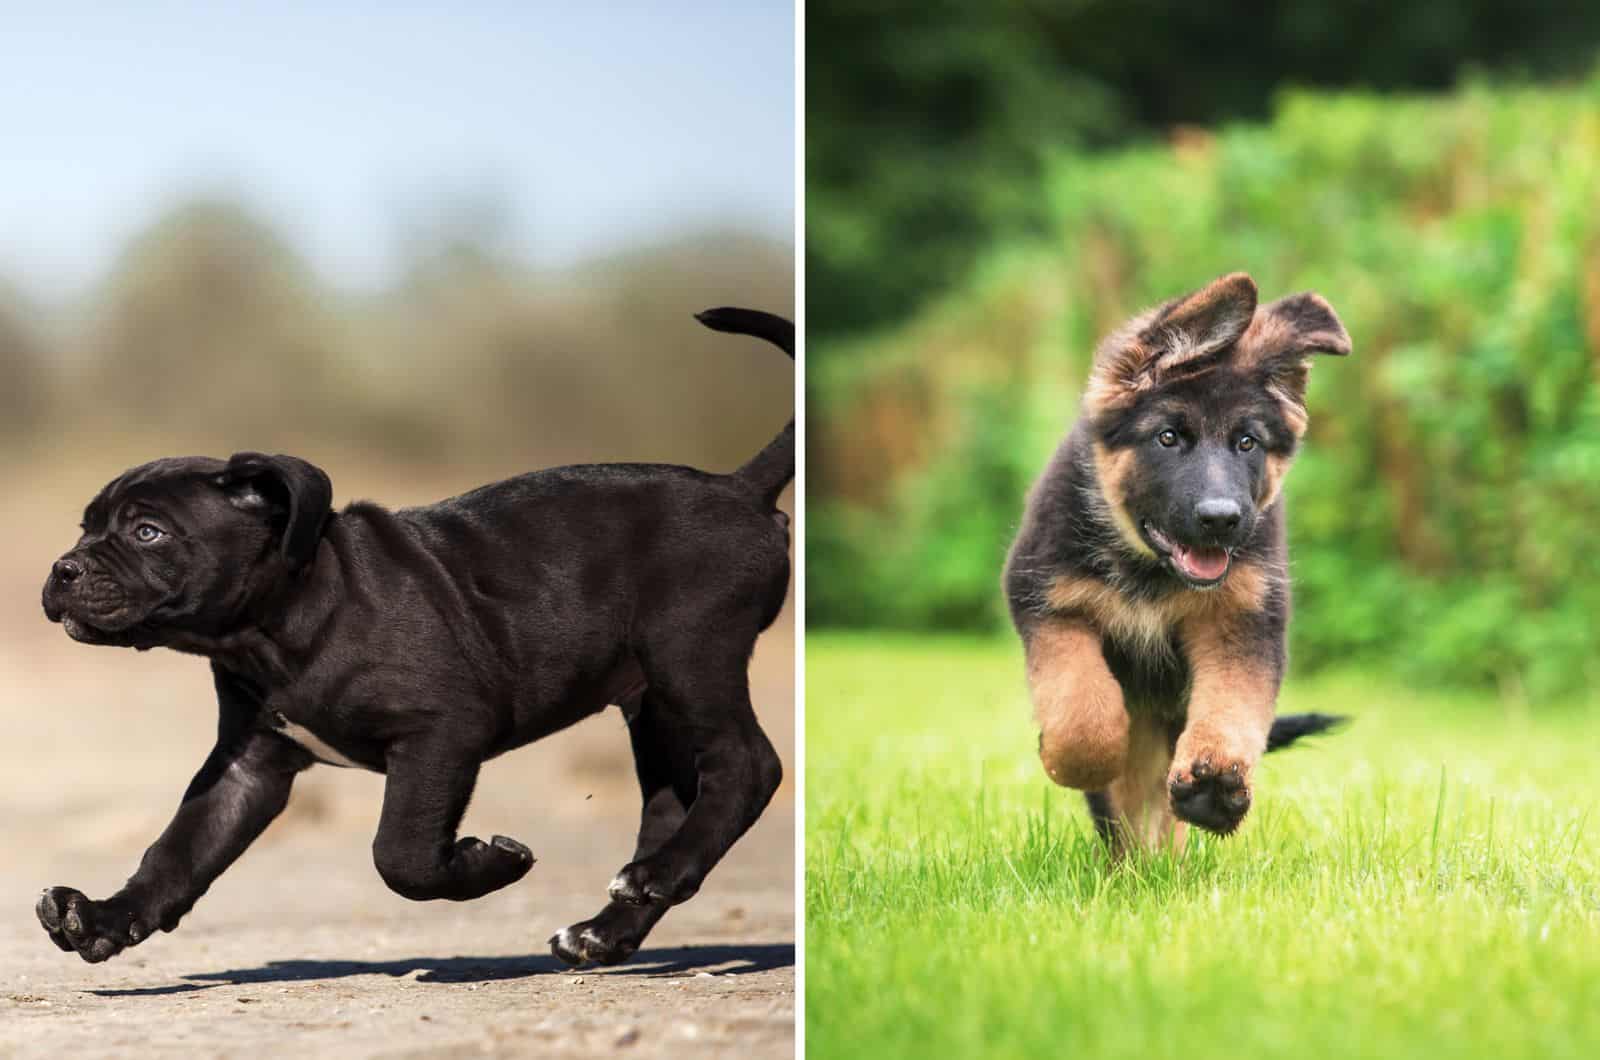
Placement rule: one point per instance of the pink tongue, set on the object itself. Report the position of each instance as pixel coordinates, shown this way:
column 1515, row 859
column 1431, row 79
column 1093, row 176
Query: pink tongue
column 1202, row 564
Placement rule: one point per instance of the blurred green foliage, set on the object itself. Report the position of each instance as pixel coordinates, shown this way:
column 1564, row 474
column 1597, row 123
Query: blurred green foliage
column 1442, row 513
column 930, row 122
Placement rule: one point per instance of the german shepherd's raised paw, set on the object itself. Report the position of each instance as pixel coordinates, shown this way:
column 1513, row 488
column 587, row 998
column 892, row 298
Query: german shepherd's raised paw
column 1149, row 581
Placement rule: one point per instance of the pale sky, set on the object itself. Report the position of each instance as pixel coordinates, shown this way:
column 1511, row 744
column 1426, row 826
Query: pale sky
column 600, row 125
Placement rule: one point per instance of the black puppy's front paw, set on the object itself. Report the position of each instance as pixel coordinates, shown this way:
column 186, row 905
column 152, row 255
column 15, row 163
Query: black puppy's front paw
column 500, row 849
column 93, row 930
column 472, row 869
column 1209, row 796
column 654, row 881
column 498, row 863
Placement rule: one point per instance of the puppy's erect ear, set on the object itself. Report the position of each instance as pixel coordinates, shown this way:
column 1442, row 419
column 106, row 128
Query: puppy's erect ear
column 1305, row 324
column 1184, row 333
column 298, row 490
column 1203, row 323
column 1281, row 340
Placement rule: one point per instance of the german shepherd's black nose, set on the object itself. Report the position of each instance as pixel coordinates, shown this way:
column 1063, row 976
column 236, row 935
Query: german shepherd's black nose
column 1218, row 515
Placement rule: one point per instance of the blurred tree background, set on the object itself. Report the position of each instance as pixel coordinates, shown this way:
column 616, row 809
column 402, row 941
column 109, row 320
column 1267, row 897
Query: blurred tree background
column 212, row 326
column 261, row 227
column 992, row 187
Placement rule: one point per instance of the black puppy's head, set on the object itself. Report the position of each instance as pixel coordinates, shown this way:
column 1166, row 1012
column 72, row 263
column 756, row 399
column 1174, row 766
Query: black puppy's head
column 1197, row 408
column 187, row 545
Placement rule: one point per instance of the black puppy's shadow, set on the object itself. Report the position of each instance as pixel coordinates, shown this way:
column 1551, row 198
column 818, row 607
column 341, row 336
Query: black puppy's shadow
column 678, row 961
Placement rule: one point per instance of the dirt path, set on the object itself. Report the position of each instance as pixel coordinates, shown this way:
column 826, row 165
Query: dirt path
column 299, row 948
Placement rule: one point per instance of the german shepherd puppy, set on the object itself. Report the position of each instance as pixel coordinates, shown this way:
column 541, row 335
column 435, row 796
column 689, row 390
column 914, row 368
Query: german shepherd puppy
column 1149, row 580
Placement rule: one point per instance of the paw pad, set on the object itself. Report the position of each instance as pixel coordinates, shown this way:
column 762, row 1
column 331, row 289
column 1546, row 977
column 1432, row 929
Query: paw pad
column 1210, row 797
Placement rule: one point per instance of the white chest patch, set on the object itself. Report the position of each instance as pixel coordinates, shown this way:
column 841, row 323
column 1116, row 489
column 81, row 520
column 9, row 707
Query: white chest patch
column 312, row 742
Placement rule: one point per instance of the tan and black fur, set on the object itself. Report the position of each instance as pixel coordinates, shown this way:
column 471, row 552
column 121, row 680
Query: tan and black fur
column 1153, row 677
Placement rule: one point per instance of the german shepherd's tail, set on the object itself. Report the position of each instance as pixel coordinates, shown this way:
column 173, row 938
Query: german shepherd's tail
column 1290, row 727
column 770, row 470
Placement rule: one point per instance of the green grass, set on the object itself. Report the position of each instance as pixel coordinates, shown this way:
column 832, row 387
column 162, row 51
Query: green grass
column 1422, row 884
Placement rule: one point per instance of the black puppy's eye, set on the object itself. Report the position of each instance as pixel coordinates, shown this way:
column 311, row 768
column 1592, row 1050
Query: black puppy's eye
column 148, row 532
column 1168, row 437
column 1246, row 444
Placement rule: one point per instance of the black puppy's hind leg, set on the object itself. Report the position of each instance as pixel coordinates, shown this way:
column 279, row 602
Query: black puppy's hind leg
column 416, row 849
column 704, row 700
column 667, row 785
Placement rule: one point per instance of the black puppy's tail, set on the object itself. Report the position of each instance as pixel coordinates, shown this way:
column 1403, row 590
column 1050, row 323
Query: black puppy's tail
column 770, row 470
column 1290, row 727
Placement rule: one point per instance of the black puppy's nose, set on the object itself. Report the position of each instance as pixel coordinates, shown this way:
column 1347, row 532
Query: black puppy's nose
column 67, row 570
column 1218, row 515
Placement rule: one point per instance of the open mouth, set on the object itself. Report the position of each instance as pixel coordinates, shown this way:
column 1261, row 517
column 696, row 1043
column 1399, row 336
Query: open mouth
column 1201, row 568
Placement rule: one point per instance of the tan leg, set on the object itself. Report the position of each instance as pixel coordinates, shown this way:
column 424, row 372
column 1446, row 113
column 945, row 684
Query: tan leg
column 1083, row 726
column 1231, row 701
column 1138, row 798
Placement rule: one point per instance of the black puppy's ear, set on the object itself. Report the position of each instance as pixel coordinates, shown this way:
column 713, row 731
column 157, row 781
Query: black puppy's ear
column 294, row 487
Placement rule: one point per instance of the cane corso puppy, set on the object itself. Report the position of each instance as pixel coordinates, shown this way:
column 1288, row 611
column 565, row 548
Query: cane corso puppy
column 418, row 643
column 1149, row 580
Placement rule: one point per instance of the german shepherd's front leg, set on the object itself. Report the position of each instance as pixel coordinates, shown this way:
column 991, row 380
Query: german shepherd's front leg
column 1083, row 724
column 1235, row 667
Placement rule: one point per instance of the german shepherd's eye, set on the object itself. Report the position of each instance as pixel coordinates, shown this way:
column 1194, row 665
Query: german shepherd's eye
column 1168, row 438
column 146, row 533
column 1246, row 444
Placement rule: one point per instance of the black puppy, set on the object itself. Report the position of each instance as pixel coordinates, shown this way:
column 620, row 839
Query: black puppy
column 420, row 642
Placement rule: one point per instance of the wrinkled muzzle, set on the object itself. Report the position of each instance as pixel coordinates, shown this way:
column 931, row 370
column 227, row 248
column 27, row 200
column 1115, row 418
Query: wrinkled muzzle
column 91, row 603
